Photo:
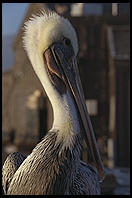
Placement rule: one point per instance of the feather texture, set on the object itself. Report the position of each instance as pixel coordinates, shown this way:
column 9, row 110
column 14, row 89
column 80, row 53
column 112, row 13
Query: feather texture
column 54, row 166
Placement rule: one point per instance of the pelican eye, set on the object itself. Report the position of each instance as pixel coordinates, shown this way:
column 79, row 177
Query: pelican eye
column 67, row 42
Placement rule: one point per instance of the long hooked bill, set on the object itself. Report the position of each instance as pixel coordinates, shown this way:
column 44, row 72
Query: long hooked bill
column 70, row 76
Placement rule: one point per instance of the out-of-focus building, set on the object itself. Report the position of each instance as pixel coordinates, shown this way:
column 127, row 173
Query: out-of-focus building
column 98, row 9
column 104, row 65
column 119, row 74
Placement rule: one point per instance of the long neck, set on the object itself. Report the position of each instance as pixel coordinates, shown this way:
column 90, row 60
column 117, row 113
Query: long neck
column 65, row 115
column 52, row 165
column 65, row 118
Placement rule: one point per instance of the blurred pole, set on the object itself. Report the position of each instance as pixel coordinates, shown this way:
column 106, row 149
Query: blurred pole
column 114, row 9
column 110, row 152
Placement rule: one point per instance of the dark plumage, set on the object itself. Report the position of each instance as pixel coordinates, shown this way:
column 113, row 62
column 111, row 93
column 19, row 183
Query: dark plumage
column 86, row 181
column 12, row 163
column 48, row 171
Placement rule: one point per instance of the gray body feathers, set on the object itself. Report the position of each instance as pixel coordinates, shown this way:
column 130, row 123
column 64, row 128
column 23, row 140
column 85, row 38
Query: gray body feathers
column 49, row 170
column 11, row 164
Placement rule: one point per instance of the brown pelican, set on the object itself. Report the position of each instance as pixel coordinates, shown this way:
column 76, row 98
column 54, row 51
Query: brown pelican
column 54, row 165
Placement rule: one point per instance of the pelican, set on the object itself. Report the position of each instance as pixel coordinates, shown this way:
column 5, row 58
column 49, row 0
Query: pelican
column 54, row 166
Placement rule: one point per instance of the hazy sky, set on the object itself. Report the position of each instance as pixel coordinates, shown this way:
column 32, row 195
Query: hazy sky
column 12, row 15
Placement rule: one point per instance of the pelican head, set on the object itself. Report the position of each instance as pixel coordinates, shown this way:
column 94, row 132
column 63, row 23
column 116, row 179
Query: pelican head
column 52, row 46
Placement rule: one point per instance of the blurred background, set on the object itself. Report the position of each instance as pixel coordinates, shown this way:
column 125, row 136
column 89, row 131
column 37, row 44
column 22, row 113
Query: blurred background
column 103, row 31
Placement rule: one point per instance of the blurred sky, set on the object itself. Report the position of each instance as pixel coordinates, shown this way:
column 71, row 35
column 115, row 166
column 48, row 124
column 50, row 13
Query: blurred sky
column 12, row 15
